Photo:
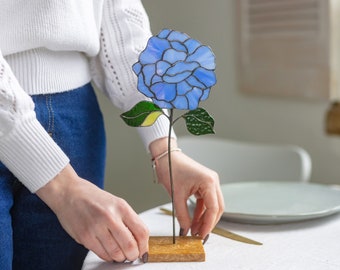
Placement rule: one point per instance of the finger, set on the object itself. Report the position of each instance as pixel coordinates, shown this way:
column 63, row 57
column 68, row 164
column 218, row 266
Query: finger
column 126, row 243
column 198, row 213
column 96, row 246
column 183, row 216
column 202, row 213
column 140, row 233
column 211, row 213
column 110, row 245
column 220, row 200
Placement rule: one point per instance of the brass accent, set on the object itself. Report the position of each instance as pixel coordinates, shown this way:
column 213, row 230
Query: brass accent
column 224, row 232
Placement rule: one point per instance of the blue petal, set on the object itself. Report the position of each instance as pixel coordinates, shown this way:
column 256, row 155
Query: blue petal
column 137, row 68
column 178, row 46
column 164, row 91
column 154, row 50
column 207, row 77
column 183, row 88
column 192, row 45
column 162, row 104
column 178, row 36
column 181, row 66
column 181, row 103
column 156, row 79
column 204, row 56
column 173, row 56
column 177, row 78
column 194, row 97
column 162, row 67
column 143, row 88
column 148, row 71
column 193, row 104
column 164, row 33
column 206, row 93
column 192, row 80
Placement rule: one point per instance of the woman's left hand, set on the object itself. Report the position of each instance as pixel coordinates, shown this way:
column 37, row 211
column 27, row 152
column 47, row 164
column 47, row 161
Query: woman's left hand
column 190, row 178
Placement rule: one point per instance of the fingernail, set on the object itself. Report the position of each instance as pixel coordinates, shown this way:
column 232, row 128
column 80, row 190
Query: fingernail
column 205, row 239
column 118, row 261
column 145, row 257
column 181, row 232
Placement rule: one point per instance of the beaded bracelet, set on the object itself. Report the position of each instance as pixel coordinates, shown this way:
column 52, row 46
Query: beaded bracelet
column 155, row 159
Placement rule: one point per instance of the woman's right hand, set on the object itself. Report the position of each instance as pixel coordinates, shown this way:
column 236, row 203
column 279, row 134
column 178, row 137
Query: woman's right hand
column 101, row 222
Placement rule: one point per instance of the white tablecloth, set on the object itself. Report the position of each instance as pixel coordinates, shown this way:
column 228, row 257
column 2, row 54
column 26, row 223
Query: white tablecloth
column 312, row 245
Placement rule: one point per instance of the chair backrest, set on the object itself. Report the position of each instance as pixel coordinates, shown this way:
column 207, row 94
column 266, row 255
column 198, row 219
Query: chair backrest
column 237, row 161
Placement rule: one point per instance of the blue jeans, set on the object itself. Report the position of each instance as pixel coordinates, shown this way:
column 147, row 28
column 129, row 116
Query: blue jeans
column 30, row 234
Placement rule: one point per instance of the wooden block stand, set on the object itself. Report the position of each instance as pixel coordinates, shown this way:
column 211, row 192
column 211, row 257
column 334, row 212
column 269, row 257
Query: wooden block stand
column 186, row 249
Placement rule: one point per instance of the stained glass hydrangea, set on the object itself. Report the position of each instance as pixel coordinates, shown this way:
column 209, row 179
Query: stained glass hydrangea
column 175, row 71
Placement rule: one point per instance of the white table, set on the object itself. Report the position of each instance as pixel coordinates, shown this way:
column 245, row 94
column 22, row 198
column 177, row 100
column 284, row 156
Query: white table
column 312, row 245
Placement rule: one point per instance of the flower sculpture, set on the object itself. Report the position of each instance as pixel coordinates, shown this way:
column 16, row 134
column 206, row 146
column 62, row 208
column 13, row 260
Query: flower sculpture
column 175, row 72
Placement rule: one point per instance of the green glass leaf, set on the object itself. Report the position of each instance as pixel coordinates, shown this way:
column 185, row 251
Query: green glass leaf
column 151, row 118
column 143, row 114
column 199, row 122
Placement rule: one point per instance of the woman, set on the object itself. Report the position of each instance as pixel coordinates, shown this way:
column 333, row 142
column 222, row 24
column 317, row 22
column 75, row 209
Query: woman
column 52, row 142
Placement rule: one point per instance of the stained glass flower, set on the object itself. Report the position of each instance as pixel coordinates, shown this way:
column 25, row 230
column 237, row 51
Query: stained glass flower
column 175, row 71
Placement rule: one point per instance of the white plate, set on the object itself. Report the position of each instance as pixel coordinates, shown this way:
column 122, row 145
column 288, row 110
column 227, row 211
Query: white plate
column 278, row 202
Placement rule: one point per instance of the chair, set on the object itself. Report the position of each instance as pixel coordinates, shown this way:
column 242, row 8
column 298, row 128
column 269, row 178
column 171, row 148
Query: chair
column 237, row 161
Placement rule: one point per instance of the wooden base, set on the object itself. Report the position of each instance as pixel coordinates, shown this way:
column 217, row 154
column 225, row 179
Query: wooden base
column 186, row 249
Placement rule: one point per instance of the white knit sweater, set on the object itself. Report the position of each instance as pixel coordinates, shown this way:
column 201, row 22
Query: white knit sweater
column 49, row 46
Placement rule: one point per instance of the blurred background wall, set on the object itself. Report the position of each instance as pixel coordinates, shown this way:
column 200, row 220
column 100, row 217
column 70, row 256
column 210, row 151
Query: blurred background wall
column 237, row 115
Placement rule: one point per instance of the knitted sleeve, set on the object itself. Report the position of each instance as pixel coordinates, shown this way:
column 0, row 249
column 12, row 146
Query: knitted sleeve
column 25, row 147
column 125, row 31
